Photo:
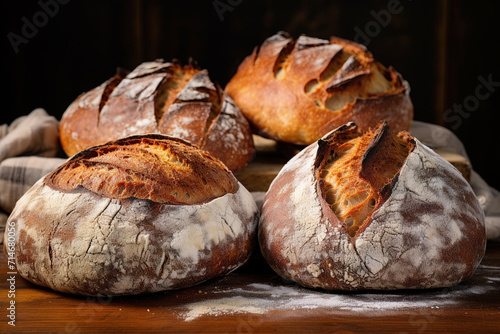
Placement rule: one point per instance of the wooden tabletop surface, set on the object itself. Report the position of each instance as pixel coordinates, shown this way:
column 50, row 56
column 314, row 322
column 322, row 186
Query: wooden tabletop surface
column 255, row 300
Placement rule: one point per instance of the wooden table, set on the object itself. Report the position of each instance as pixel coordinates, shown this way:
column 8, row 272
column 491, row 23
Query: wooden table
column 254, row 300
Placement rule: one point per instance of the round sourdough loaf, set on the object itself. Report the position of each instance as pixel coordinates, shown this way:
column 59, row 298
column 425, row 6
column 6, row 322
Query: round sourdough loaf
column 296, row 91
column 371, row 210
column 141, row 214
column 160, row 97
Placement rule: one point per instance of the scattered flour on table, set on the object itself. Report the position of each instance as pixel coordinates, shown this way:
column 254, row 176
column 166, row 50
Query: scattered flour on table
column 259, row 298
column 228, row 305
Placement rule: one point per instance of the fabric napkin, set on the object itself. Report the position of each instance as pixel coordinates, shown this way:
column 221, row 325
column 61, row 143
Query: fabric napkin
column 438, row 137
column 28, row 147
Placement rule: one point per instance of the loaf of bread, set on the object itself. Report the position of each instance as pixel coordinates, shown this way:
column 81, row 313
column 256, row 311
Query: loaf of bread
column 371, row 210
column 140, row 214
column 160, row 97
column 296, row 91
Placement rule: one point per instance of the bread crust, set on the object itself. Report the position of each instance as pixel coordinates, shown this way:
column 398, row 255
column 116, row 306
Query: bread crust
column 155, row 167
column 296, row 91
column 160, row 97
column 75, row 240
column 426, row 232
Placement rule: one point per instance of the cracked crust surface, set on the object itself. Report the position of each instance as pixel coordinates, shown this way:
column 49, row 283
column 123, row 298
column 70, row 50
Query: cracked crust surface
column 80, row 241
column 165, row 98
column 154, row 167
column 426, row 232
column 297, row 90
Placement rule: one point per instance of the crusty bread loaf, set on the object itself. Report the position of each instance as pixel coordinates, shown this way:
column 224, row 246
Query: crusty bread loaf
column 296, row 91
column 371, row 210
column 141, row 214
column 160, row 97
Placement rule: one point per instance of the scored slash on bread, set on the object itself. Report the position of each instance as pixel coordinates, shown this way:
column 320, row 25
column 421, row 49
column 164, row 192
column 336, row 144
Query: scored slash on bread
column 356, row 169
column 160, row 97
column 296, row 91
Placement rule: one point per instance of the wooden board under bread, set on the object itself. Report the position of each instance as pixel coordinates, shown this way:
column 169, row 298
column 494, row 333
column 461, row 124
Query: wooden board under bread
column 269, row 160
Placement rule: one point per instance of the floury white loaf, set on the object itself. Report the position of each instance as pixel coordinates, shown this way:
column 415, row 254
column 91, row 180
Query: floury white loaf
column 137, row 215
column 371, row 210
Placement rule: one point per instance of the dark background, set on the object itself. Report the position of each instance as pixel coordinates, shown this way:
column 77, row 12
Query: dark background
column 440, row 47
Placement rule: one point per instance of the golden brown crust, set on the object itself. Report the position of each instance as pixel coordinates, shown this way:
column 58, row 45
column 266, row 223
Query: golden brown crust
column 159, row 97
column 296, row 91
column 154, row 167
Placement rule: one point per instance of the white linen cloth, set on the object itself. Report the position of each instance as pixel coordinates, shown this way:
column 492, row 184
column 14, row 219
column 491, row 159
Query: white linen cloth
column 28, row 147
column 438, row 137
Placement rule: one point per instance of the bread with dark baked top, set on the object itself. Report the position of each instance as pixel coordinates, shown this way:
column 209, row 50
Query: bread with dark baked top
column 371, row 210
column 160, row 97
column 297, row 90
column 140, row 214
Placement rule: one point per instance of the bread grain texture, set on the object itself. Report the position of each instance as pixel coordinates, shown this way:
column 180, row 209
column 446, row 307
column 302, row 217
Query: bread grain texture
column 164, row 98
column 138, row 215
column 398, row 217
column 297, row 90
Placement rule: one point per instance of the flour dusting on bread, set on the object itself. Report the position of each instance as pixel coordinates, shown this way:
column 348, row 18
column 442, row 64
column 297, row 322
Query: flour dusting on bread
column 426, row 231
column 75, row 236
